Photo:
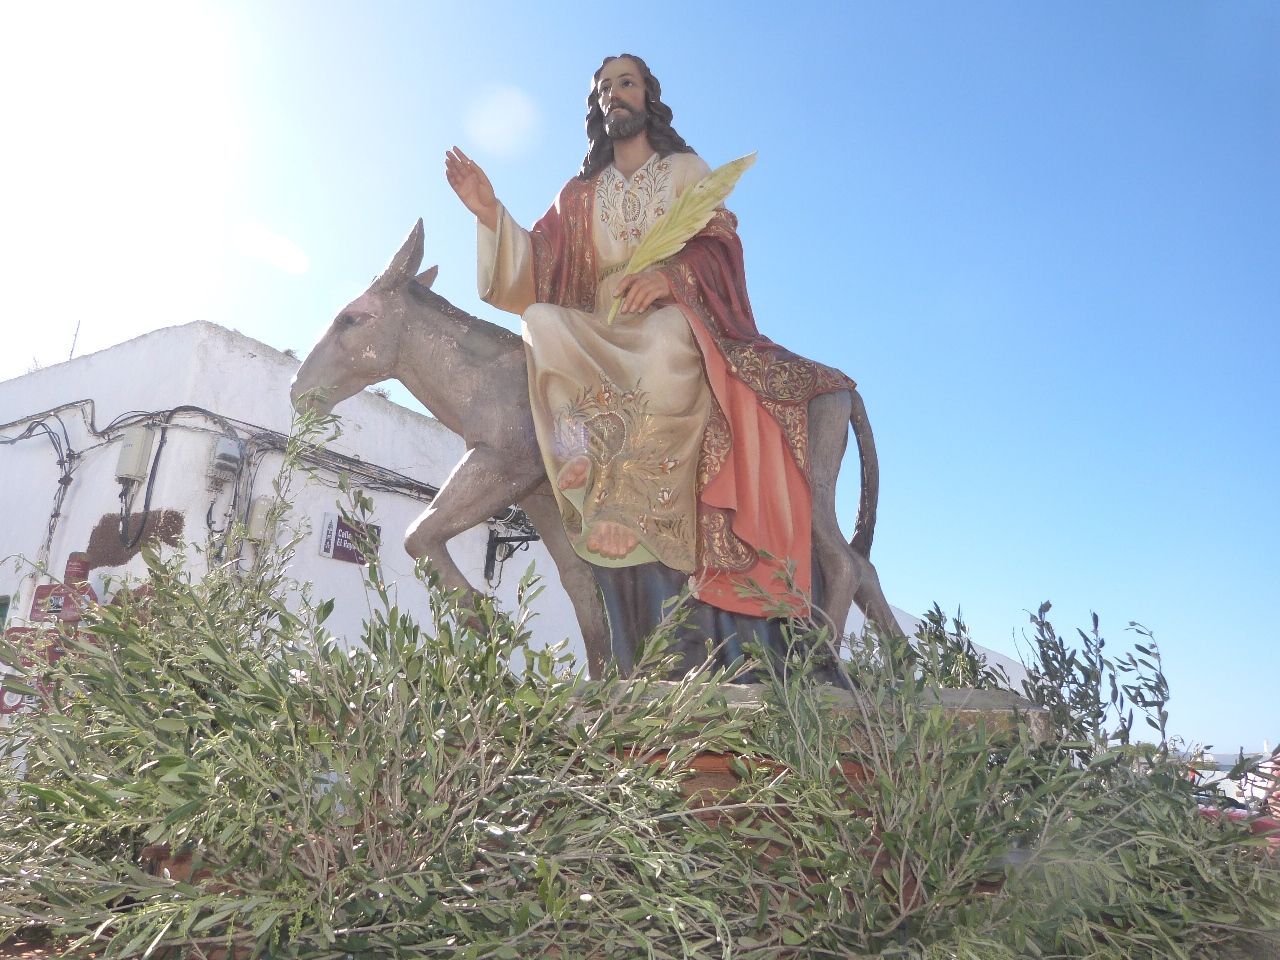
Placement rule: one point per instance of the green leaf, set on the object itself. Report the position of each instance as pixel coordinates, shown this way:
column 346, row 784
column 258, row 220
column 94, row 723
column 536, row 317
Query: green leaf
column 184, row 810
column 792, row 937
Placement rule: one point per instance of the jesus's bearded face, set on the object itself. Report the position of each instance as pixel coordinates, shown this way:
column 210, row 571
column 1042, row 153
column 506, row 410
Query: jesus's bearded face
column 622, row 98
column 623, row 123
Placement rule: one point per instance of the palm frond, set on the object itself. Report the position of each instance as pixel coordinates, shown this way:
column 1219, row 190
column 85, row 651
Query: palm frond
column 690, row 212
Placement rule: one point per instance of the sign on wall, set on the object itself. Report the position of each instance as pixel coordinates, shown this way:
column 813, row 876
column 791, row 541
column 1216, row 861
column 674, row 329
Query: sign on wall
column 340, row 540
column 55, row 602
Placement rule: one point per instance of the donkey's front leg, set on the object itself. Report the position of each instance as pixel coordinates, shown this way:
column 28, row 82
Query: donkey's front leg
column 482, row 484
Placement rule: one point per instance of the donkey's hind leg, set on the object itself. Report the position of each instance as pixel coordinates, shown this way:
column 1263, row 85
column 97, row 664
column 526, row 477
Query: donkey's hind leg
column 848, row 577
column 828, row 436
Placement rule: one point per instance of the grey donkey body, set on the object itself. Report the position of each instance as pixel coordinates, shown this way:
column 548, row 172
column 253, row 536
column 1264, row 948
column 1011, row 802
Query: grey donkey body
column 471, row 375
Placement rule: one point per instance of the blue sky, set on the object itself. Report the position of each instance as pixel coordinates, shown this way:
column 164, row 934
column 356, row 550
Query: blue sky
column 1045, row 239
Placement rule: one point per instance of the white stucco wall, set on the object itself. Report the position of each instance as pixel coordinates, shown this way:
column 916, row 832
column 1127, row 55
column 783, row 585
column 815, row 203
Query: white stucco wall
column 233, row 376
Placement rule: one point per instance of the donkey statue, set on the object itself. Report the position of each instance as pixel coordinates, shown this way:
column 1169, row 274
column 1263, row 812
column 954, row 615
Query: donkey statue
column 471, row 375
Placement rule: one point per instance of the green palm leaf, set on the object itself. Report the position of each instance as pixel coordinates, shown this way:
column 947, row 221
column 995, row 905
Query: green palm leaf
column 691, row 212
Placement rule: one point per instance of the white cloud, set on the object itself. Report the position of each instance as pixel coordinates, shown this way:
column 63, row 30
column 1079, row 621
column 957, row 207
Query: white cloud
column 260, row 242
column 504, row 122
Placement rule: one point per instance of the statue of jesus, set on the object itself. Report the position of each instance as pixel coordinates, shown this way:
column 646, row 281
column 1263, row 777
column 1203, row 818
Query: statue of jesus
column 675, row 437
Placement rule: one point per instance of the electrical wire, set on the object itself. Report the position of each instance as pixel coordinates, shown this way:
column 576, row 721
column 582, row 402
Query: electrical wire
column 126, row 508
column 254, row 448
column 66, row 459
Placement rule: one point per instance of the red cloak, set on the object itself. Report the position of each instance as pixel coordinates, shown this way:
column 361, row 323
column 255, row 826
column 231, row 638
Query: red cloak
column 754, row 505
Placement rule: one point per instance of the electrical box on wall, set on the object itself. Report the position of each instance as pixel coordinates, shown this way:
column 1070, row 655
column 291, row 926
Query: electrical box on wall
column 260, row 525
column 135, row 454
column 226, row 457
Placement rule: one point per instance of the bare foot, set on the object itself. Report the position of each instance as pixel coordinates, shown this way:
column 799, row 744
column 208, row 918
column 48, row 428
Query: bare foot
column 573, row 474
column 611, row 539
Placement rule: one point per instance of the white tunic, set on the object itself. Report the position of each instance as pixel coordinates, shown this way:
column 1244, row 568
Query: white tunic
column 631, row 397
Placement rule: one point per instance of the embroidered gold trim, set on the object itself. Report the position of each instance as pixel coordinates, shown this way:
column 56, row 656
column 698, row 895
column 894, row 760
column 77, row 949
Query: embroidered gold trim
column 631, row 472
column 795, row 427
column 567, row 276
column 720, row 547
column 607, row 272
column 716, row 443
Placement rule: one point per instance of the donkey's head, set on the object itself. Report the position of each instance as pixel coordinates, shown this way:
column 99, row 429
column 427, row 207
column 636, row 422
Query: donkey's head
column 362, row 345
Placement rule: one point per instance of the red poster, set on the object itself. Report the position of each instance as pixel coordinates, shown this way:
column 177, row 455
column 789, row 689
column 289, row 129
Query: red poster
column 59, row 603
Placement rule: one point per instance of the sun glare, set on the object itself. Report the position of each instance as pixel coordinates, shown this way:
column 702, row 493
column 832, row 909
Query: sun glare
column 123, row 156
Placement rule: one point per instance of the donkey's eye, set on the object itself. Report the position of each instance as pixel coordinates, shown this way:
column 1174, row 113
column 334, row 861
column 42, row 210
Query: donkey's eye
column 347, row 320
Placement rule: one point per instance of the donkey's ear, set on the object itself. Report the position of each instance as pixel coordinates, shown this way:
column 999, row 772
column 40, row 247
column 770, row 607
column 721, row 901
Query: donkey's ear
column 406, row 261
column 427, row 277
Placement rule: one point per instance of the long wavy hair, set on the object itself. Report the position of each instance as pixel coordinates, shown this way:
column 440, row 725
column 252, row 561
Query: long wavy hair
column 662, row 136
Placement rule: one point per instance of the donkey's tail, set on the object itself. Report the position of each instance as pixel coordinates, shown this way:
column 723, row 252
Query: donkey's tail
column 865, row 528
